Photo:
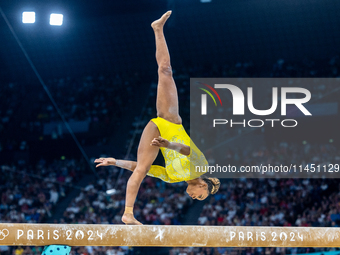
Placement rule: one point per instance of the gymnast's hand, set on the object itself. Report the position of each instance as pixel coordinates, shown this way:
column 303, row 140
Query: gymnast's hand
column 105, row 162
column 160, row 142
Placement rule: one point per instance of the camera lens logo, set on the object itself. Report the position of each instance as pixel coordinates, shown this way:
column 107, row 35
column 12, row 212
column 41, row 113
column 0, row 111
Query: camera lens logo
column 204, row 97
column 3, row 234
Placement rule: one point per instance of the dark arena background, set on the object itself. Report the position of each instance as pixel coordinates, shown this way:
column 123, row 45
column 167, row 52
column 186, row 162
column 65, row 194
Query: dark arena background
column 96, row 76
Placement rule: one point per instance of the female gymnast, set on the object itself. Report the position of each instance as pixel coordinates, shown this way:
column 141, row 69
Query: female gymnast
column 166, row 133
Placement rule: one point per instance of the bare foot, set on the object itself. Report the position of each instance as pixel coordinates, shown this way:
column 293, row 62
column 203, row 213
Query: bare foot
column 129, row 219
column 158, row 24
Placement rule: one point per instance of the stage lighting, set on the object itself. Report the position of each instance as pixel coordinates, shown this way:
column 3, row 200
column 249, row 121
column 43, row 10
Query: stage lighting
column 56, row 19
column 28, row 17
column 205, row 1
column 111, row 191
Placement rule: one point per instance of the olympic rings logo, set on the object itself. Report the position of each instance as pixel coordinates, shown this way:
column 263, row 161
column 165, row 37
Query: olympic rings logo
column 3, row 234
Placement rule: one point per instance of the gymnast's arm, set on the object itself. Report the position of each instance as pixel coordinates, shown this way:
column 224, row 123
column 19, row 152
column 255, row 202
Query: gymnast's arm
column 179, row 147
column 126, row 164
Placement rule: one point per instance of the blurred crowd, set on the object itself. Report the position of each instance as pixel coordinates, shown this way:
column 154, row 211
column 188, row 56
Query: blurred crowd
column 158, row 203
column 29, row 194
column 278, row 201
column 285, row 153
column 97, row 101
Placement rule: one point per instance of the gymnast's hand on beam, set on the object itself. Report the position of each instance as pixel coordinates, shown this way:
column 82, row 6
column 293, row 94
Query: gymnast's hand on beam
column 105, row 162
column 160, row 142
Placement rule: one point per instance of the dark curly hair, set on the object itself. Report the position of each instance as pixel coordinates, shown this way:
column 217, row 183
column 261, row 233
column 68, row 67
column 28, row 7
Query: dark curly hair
column 213, row 184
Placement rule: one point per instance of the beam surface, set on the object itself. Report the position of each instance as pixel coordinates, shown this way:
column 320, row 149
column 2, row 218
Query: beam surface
column 172, row 236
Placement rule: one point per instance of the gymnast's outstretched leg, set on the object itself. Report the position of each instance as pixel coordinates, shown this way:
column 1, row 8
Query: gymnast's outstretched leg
column 167, row 98
column 167, row 108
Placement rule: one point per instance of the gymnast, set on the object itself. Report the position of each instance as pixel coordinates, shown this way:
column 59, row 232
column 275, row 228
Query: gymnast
column 166, row 133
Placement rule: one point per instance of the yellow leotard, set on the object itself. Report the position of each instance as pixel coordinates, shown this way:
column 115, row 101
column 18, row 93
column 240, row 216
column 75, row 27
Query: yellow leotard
column 178, row 167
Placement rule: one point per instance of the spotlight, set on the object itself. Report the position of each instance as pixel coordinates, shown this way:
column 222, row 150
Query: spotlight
column 28, row 17
column 111, row 191
column 56, row 19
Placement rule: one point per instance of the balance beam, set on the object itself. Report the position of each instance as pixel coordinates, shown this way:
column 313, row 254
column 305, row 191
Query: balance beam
column 172, row 236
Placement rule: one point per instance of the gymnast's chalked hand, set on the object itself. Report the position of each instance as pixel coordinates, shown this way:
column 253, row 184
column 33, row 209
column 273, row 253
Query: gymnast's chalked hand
column 105, row 162
column 160, row 142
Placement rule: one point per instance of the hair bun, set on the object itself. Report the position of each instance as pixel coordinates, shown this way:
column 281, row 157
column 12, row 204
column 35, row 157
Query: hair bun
column 216, row 184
